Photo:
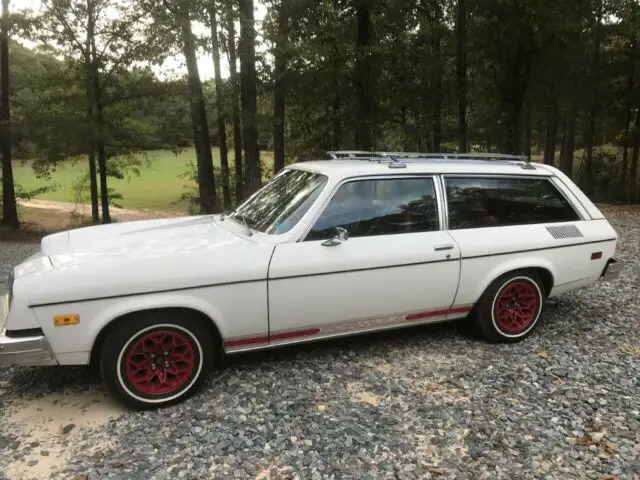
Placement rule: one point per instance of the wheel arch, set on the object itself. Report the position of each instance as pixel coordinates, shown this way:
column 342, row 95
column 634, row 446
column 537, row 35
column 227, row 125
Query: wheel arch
column 541, row 267
column 110, row 326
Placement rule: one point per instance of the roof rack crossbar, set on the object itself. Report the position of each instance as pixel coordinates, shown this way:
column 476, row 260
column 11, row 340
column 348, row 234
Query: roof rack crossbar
column 397, row 156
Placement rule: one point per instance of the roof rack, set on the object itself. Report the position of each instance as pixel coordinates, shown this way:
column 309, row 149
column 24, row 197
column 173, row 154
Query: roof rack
column 396, row 156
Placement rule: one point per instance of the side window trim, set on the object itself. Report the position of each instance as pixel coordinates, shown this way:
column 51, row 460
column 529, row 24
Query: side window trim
column 438, row 190
column 579, row 211
column 443, row 203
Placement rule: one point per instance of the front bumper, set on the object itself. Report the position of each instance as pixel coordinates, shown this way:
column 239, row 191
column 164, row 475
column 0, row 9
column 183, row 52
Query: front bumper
column 30, row 349
column 611, row 270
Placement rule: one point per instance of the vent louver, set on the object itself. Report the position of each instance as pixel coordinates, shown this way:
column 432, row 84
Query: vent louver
column 564, row 231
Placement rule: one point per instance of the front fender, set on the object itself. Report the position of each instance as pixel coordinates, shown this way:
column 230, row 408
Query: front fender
column 225, row 305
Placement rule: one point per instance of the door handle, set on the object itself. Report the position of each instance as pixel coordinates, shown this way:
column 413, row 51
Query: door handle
column 439, row 248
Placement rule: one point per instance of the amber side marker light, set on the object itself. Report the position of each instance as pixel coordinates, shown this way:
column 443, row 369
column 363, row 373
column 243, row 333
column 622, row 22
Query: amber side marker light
column 596, row 255
column 62, row 320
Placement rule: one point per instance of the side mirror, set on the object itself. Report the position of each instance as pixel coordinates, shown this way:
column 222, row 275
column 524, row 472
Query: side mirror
column 341, row 236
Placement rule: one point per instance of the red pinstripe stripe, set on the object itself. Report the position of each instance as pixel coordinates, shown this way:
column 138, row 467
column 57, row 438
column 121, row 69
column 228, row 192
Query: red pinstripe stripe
column 295, row 334
column 437, row 313
column 246, row 341
column 240, row 342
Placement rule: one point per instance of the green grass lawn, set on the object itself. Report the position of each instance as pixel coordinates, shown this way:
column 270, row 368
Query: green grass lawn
column 157, row 187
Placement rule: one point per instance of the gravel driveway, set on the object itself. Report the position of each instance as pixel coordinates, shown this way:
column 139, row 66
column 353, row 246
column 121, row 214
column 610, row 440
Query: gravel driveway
column 421, row 403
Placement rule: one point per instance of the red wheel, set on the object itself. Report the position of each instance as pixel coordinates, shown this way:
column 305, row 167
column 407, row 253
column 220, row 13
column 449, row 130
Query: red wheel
column 510, row 307
column 516, row 306
column 160, row 362
column 157, row 359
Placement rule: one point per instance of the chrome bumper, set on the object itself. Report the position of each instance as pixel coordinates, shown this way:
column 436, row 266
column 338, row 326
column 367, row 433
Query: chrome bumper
column 611, row 270
column 28, row 350
column 25, row 350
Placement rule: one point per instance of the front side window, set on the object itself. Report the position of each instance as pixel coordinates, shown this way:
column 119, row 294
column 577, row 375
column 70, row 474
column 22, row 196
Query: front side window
column 379, row 207
column 476, row 202
column 281, row 203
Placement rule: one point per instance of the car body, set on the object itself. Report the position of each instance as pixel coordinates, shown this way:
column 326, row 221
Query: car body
column 361, row 242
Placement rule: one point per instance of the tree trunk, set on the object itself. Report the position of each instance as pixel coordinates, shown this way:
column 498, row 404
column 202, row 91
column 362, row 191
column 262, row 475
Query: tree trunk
column 279, row 91
column 568, row 147
column 425, row 77
column 437, row 68
column 93, row 183
column 628, row 116
column 102, row 170
column 461, row 74
column 589, row 181
column 513, row 88
column 202, row 141
column 9, row 207
column 528, row 129
column 235, row 109
column 100, row 132
column 563, row 140
column 363, row 71
column 336, row 104
column 222, row 131
column 91, row 114
column 552, row 132
column 249, row 96
column 633, row 172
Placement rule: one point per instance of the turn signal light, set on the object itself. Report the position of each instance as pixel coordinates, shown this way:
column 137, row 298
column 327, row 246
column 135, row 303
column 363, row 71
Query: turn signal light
column 62, row 320
column 596, row 255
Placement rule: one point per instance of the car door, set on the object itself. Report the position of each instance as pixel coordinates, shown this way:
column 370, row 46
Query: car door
column 394, row 266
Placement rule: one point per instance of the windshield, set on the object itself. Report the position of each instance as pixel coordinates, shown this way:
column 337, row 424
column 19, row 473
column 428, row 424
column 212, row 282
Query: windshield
column 279, row 205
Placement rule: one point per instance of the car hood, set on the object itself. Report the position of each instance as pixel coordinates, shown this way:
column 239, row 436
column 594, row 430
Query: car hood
column 137, row 239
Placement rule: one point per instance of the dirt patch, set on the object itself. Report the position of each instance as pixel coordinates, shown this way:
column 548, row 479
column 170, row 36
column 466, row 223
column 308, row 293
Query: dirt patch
column 84, row 210
column 51, row 430
column 361, row 394
column 42, row 217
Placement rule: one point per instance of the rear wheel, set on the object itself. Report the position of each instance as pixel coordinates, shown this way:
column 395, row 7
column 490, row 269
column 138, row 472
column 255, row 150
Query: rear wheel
column 156, row 360
column 510, row 308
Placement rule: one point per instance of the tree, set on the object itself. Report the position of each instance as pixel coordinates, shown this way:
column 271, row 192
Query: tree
column 363, row 76
column 9, row 208
column 461, row 73
column 222, row 130
column 235, row 99
column 279, row 81
column 178, row 20
column 593, row 111
column 248, row 96
column 105, row 37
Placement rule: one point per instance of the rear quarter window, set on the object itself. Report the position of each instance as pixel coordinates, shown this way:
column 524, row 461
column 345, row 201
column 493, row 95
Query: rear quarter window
column 476, row 202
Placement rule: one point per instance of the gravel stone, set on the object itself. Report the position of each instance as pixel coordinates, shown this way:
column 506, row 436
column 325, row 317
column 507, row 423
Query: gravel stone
column 427, row 402
column 67, row 428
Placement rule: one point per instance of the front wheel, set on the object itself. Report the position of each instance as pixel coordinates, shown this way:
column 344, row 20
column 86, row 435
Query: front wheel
column 157, row 359
column 510, row 307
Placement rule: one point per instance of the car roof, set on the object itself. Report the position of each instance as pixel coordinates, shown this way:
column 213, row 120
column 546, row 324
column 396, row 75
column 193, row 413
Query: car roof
column 381, row 166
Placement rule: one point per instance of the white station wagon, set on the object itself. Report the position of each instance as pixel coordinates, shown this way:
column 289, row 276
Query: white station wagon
column 363, row 241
